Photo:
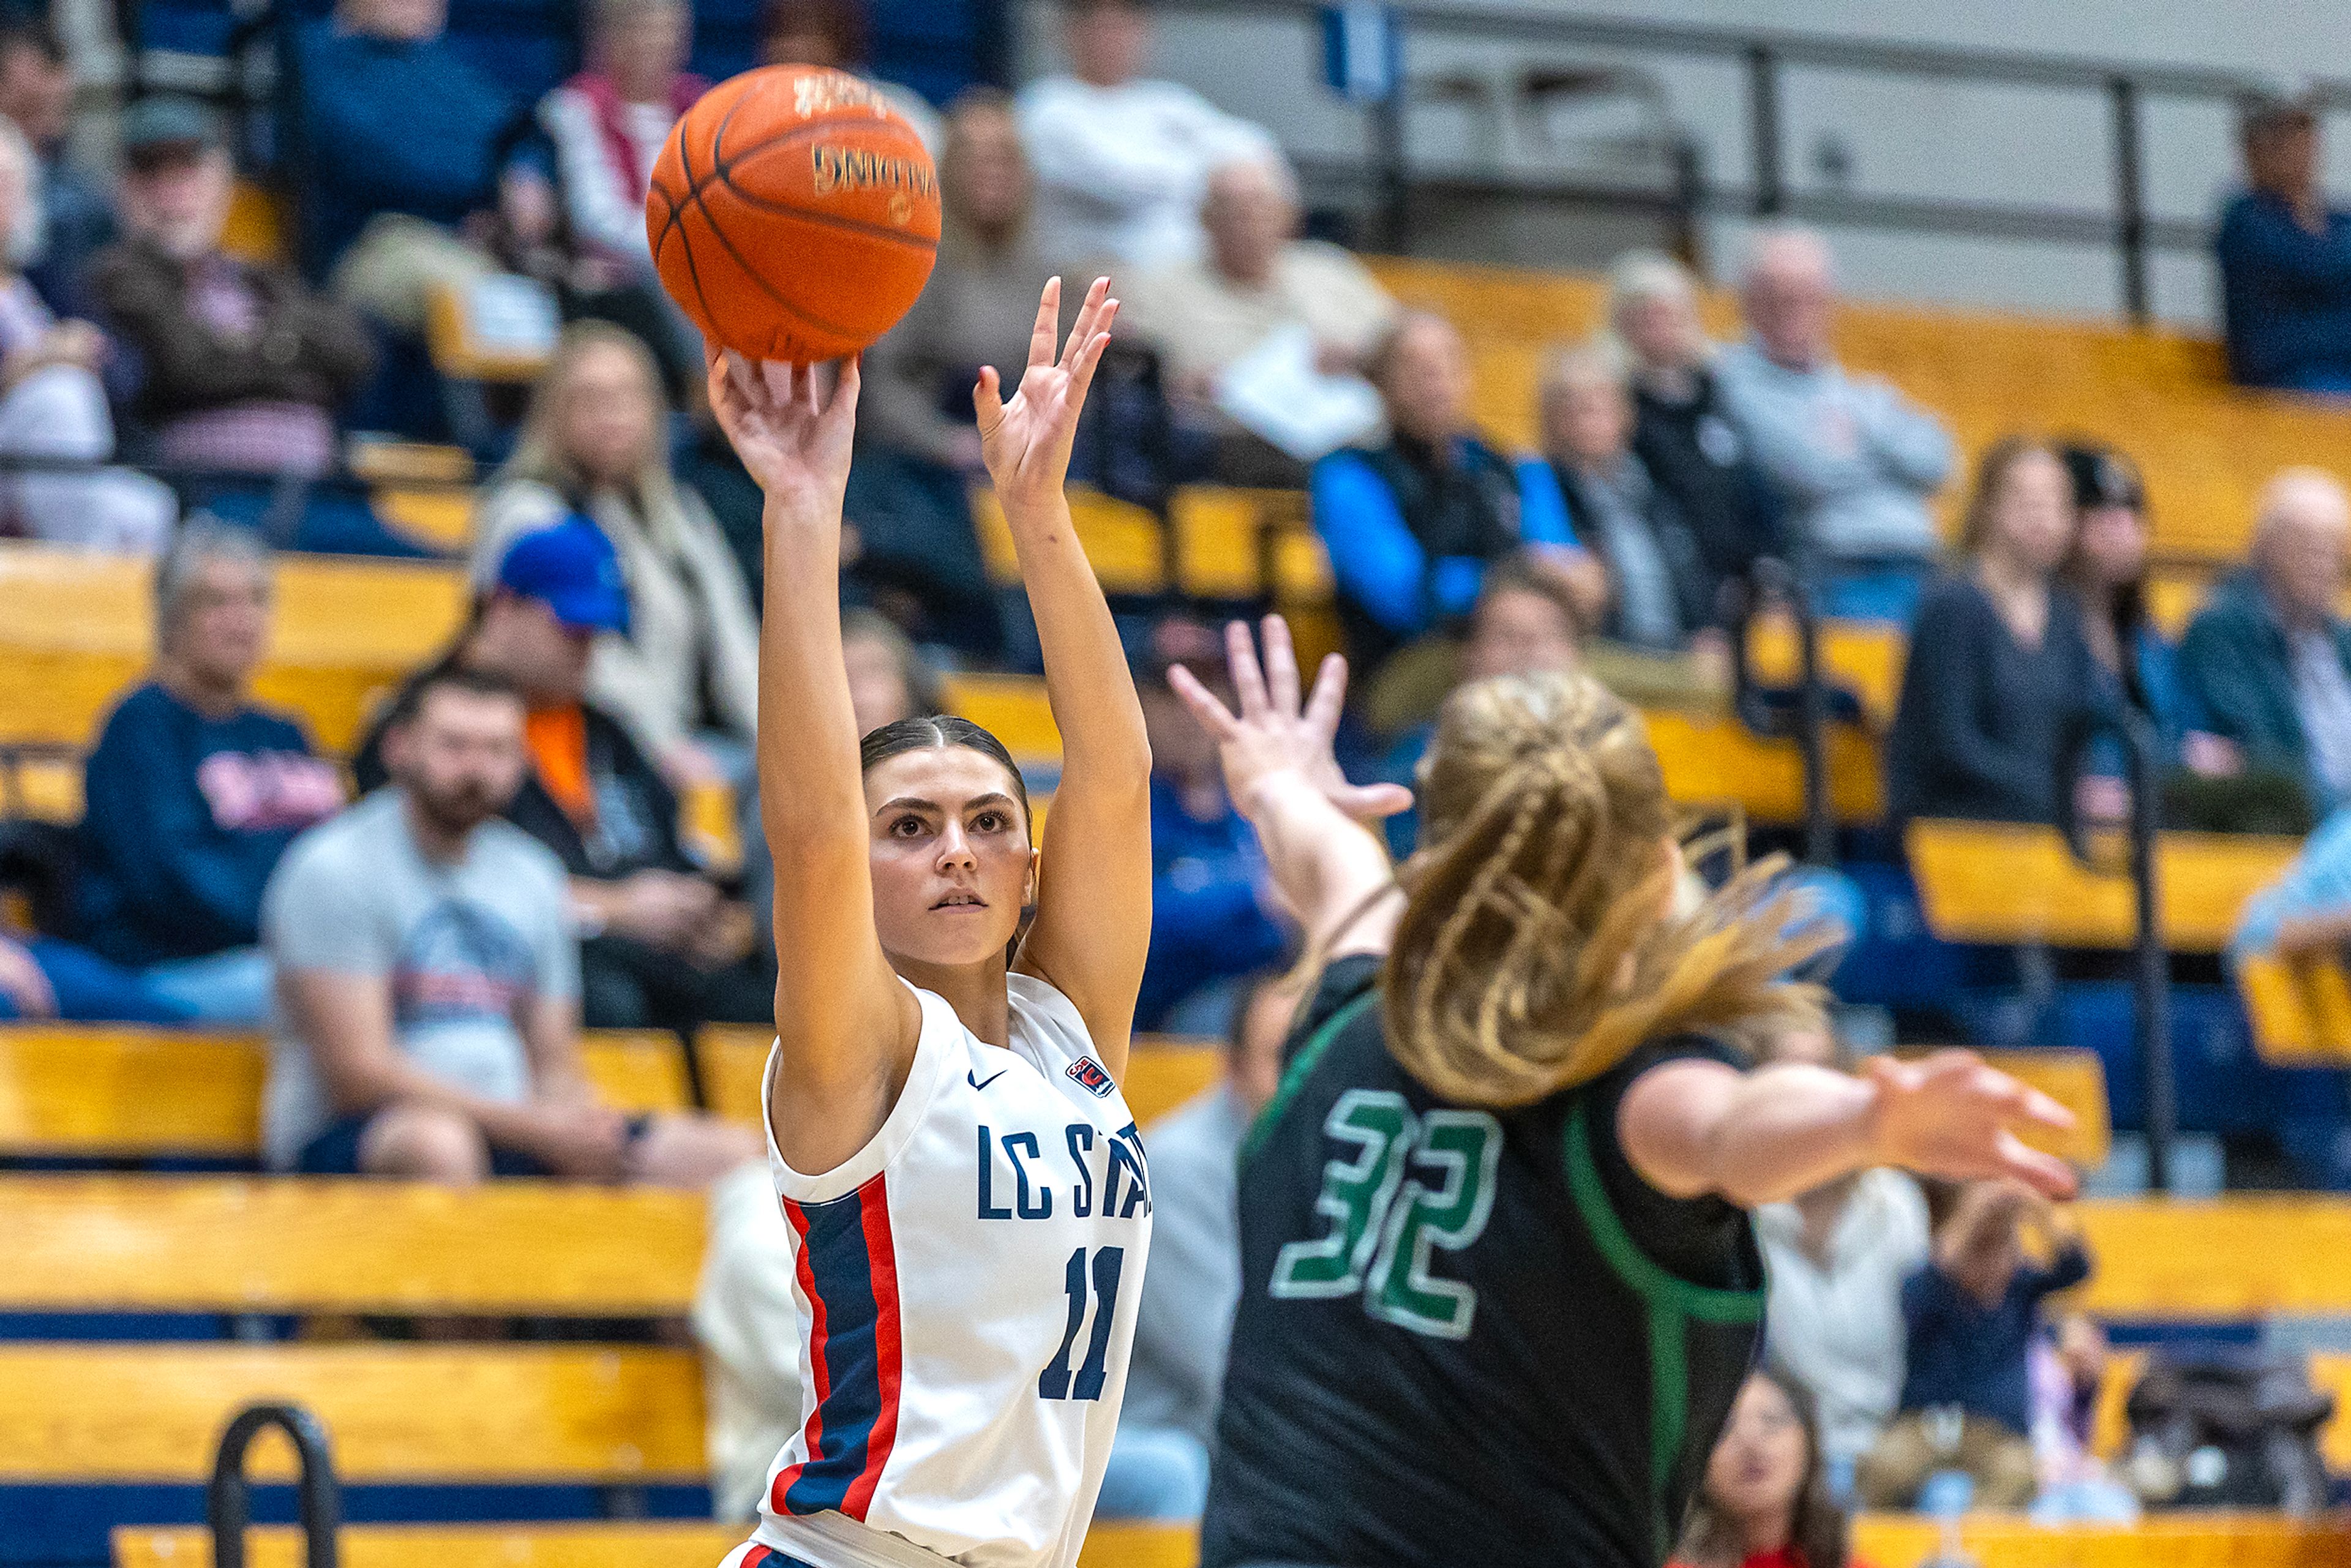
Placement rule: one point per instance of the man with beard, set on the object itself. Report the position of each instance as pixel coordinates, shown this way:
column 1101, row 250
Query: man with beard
column 428, row 980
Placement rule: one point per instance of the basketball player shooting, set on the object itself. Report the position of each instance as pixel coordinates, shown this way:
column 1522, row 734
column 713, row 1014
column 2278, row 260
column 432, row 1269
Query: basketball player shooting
column 966, row 1194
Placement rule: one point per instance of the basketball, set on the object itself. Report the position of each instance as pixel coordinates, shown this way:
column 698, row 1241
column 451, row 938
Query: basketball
column 794, row 215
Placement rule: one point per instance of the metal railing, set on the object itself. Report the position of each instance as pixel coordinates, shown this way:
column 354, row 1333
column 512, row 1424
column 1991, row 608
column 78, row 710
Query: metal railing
column 228, row 1498
column 1766, row 56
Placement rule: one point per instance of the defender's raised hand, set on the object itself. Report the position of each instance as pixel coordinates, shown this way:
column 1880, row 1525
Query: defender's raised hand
column 1026, row 441
column 1950, row 1115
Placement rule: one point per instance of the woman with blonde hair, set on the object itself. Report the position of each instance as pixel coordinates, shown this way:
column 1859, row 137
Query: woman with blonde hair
column 594, row 443
column 1500, row 1288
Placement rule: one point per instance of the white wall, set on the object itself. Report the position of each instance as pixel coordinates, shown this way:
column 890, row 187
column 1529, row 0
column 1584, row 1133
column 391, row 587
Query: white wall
column 1906, row 136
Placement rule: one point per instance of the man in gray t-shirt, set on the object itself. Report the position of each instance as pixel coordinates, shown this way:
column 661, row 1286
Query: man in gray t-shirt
column 428, row 980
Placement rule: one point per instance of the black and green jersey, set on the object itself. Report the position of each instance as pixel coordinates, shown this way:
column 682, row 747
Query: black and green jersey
column 1467, row 1337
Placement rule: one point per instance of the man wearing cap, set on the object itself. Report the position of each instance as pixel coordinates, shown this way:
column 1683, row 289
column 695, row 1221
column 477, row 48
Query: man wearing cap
column 240, row 367
column 2285, row 257
column 662, row 946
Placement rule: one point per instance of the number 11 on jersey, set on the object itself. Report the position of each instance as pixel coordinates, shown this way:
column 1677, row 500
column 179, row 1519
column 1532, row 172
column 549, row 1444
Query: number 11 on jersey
column 1056, row 1382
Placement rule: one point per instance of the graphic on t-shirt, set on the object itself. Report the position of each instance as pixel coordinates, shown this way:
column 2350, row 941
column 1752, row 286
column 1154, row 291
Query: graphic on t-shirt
column 255, row 791
column 462, row 963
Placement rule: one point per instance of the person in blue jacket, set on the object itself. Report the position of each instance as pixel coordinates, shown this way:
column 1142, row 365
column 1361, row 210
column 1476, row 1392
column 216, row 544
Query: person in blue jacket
column 2285, row 258
column 1411, row 526
column 192, row 791
column 1213, row 910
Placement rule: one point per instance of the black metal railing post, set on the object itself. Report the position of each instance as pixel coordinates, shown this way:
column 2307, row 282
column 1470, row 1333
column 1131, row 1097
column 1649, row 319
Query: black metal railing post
column 1772, row 583
column 2130, row 195
column 2151, row 967
column 228, row 1498
column 1763, row 129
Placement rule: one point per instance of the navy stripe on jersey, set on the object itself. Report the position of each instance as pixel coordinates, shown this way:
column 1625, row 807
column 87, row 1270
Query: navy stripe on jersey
column 848, row 1269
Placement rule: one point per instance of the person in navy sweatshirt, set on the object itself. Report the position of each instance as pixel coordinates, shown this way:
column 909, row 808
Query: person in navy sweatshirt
column 192, row 791
column 2285, row 258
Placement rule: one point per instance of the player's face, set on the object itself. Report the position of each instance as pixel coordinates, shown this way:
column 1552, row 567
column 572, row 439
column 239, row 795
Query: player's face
column 1758, row 1466
column 951, row 860
column 461, row 759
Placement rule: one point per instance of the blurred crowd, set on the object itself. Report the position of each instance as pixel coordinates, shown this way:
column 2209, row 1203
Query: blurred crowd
column 522, row 844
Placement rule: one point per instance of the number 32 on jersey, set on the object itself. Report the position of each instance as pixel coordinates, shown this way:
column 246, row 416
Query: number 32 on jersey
column 1415, row 1186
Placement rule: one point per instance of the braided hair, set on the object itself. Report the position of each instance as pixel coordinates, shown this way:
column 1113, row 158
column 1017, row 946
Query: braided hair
column 1540, row 943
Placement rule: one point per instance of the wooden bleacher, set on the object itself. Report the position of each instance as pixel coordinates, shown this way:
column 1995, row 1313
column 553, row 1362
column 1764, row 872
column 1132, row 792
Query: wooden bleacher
column 582, row 1546
column 2300, row 1009
column 2191, row 1541
column 1996, row 882
column 2205, row 447
column 532, row 1414
column 119, row 1091
column 2077, row 1081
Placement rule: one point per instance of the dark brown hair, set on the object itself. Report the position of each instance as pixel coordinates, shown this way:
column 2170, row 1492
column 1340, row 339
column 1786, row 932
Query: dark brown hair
column 938, row 732
column 448, row 675
column 1817, row 1527
column 840, row 21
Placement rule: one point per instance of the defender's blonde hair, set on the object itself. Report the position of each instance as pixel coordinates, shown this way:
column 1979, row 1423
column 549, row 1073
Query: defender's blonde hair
column 1540, row 944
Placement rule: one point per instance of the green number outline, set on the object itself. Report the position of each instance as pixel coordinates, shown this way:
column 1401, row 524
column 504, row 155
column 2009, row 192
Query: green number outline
column 1468, row 1146
column 1356, row 1195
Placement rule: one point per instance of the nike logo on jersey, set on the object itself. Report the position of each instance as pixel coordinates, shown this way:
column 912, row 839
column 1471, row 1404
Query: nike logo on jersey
column 974, row 1078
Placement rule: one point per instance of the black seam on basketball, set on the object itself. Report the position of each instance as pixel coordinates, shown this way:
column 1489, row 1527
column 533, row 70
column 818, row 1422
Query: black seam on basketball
column 677, row 221
column 723, row 168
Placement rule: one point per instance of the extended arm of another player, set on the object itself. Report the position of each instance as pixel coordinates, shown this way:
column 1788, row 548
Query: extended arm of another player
column 846, row 1026
column 1092, row 927
column 1691, row 1128
column 1276, row 753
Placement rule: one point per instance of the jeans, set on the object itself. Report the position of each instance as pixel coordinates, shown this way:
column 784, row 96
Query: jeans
column 230, row 987
column 1875, row 593
column 1154, row 1472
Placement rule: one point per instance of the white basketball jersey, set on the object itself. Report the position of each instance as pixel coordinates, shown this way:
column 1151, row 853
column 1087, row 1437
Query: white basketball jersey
column 967, row 1285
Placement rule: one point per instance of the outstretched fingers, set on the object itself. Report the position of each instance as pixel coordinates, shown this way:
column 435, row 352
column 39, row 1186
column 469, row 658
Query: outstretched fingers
column 2044, row 1174
column 1048, row 326
column 850, row 381
column 1281, row 666
column 1214, row 717
column 987, row 401
column 1329, row 698
column 1093, row 317
column 1248, row 683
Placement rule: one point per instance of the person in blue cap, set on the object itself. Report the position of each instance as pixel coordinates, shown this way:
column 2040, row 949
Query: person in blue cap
column 663, row 945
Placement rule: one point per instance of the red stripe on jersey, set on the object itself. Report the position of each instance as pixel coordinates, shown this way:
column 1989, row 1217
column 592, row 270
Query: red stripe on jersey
column 881, row 1262
column 813, row 1436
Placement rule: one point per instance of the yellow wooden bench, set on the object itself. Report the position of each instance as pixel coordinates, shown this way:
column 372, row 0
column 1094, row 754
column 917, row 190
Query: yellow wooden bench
column 2246, row 1256
column 1714, row 760
column 304, row 1245
column 1109, row 1545
column 2300, row 1009
column 75, row 630
column 2077, row 1081
column 1998, row 882
column 2216, row 1539
column 1121, row 540
column 120, row 1413
column 102, row 1090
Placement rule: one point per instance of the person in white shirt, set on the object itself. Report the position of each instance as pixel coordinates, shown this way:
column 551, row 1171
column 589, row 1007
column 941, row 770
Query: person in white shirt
column 1123, row 162
column 609, row 123
column 1836, row 1256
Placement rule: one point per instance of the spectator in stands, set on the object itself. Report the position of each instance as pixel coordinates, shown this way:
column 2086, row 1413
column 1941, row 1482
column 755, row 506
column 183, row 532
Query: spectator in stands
column 683, row 682
column 1122, row 160
column 2268, row 660
column 1159, row 1467
column 1411, row 526
column 919, row 448
column 609, row 123
column 44, row 978
column 1524, row 623
column 1998, row 665
column 239, row 366
column 1682, row 431
column 53, row 407
column 194, row 791
column 1837, row 1259
column 428, row 981
column 1661, row 598
column 889, row 679
column 2306, row 913
column 2285, row 257
column 1765, row 1502
column 1256, row 278
column 832, row 33
column 1850, row 462
column 1972, row 1313
column 36, row 94
column 2106, row 570
column 662, row 945
column 1214, row 915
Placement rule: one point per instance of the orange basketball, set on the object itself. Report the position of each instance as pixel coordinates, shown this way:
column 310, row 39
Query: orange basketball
column 794, row 215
